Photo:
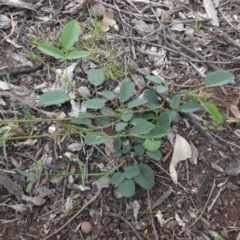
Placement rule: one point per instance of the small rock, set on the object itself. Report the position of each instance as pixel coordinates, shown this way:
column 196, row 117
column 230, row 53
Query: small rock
column 86, row 227
column 233, row 169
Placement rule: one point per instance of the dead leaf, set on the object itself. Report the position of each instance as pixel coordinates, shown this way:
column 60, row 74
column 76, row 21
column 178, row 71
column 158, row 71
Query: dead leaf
column 38, row 201
column 108, row 21
column 195, row 154
column 5, row 22
column 181, row 151
column 211, row 12
column 235, row 111
column 160, row 218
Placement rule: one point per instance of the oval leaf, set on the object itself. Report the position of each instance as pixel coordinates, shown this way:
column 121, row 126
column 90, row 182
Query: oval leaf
column 83, row 118
column 151, row 145
column 161, row 89
column 126, row 90
column 120, row 126
column 94, row 138
column 146, row 177
column 175, row 102
column 109, row 95
column 126, row 117
column 164, row 120
column 96, row 77
column 132, row 172
column 142, row 127
column 93, row 103
column 51, row 50
column 218, row 78
column 127, row 188
column 54, row 97
column 117, row 178
column 155, row 79
column 137, row 102
column 155, row 155
column 190, row 107
column 151, row 96
column 77, row 54
column 70, row 34
column 211, row 109
column 139, row 150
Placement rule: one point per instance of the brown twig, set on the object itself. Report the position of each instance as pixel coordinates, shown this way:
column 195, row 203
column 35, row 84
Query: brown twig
column 111, row 214
column 75, row 215
column 152, row 220
column 201, row 214
column 8, row 94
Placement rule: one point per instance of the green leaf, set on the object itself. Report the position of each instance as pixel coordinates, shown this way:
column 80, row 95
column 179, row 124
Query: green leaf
column 70, row 34
column 126, row 91
column 83, row 120
column 26, row 174
column 148, row 116
column 120, row 126
column 93, row 103
column 29, row 187
column 95, row 138
column 139, row 150
column 126, row 149
column 151, row 96
column 171, row 113
column 131, row 172
column 103, row 121
column 218, row 78
column 164, row 120
column 117, row 154
column 158, row 132
column 54, row 97
column 96, row 77
column 155, row 155
column 51, row 51
column 211, row 109
column 218, row 238
column 175, row 102
column 151, row 145
column 155, row 79
column 127, row 188
column 126, row 117
column 146, row 177
column 142, row 127
column 77, row 54
column 117, row 178
column 109, row 95
column 190, row 107
column 161, row 89
column 117, row 143
column 137, row 102
column 107, row 111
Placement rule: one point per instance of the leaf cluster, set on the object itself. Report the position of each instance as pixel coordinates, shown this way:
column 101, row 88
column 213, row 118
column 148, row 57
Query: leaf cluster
column 142, row 175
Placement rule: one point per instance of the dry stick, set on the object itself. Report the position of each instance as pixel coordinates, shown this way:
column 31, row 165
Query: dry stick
column 74, row 216
column 195, row 54
column 150, row 208
column 199, row 217
column 8, row 94
column 111, row 214
column 129, row 44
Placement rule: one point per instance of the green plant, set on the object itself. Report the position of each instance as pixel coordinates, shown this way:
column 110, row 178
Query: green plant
column 219, row 238
column 34, row 176
column 143, row 175
column 138, row 124
column 197, row 25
